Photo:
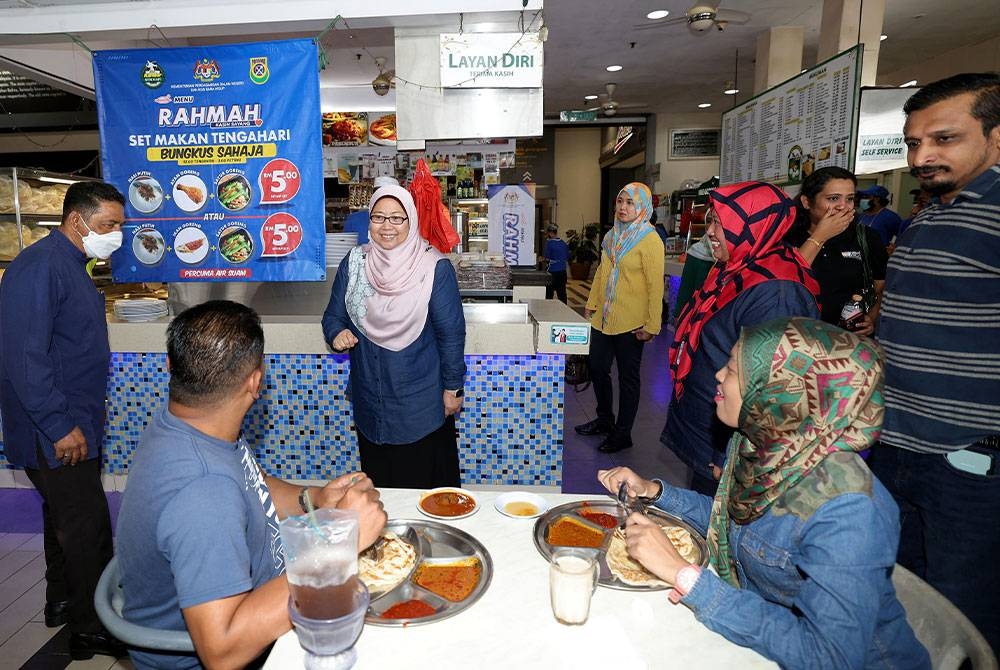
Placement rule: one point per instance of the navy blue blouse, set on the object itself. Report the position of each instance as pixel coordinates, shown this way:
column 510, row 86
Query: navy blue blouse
column 398, row 395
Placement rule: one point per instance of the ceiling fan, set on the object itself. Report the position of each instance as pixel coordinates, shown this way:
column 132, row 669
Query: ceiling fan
column 385, row 79
column 701, row 18
column 609, row 106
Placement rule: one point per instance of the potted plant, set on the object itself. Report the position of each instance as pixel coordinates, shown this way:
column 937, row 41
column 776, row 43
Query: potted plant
column 583, row 250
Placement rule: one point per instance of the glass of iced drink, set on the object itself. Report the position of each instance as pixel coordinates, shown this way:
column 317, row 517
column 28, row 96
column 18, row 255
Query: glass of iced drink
column 572, row 578
column 327, row 601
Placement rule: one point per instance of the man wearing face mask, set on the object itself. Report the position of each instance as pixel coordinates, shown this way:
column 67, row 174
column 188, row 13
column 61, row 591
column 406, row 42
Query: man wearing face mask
column 54, row 358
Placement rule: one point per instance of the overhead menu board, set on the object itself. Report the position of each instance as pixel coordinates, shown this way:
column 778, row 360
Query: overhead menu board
column 787, row 132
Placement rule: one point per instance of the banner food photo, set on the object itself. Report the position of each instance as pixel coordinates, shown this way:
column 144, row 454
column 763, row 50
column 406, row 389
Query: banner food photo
column 219, row 154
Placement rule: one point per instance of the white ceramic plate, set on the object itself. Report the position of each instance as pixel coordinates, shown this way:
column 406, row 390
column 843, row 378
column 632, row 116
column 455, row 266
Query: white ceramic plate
column 183, row 199
column 531, row 504
column 140, row 203
column 470, row 494
column 152, row 254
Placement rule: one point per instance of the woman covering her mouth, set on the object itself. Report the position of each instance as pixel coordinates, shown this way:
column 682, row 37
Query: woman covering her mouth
column 757, row 278
column 395, row 306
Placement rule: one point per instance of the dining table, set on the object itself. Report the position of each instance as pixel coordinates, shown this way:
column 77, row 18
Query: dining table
column 512, row 626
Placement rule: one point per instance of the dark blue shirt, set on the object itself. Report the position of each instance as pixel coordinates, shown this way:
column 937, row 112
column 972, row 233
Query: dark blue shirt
column 398, row 395
column 886, row 223
column 557, row 253
column 940, row 324
column 693, row 431
column 54, row 352
column 357, row 222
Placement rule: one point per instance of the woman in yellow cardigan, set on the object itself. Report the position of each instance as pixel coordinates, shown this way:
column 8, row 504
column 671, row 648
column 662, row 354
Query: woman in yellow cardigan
column 624, row 308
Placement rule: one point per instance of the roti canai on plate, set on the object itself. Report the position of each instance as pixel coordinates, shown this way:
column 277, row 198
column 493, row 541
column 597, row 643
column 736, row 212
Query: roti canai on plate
column 631, row 572
column 396, row 563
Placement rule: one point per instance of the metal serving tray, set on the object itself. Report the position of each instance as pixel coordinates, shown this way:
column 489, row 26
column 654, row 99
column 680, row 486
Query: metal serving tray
column 607, row 578
column 436, row 543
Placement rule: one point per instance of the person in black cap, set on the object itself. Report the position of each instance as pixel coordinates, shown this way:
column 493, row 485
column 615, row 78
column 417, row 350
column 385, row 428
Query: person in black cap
column 921, row 201
column 874, row 205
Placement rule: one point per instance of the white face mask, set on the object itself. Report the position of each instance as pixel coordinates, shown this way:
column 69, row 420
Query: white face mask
column 100, row 246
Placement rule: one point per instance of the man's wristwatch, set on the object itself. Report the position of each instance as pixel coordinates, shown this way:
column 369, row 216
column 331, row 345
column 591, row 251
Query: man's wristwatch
column 685, row 581
column 649, row 500
column 304, row 501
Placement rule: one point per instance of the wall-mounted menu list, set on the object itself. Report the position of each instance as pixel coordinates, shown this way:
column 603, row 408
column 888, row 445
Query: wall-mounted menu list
column 787, row 132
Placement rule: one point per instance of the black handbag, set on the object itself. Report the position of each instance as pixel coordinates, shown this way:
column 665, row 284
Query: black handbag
column 577, row 369
column 868, row 295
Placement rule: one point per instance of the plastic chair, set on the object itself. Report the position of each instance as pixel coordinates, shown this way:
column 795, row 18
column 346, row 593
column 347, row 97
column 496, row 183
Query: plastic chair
column 108, row 601
column 948, row 635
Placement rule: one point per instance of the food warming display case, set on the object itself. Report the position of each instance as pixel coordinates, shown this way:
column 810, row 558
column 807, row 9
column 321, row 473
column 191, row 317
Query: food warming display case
column 30, row 207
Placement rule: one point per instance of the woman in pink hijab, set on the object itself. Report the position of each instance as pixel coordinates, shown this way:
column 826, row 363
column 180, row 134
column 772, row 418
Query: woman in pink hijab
column 395, row 307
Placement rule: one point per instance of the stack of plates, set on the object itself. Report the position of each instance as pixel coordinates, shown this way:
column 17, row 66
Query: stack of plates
column 140, row 309
column 337, row 246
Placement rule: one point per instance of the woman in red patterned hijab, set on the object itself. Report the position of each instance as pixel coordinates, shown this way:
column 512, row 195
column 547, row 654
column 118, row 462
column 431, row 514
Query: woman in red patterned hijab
column 747, row 222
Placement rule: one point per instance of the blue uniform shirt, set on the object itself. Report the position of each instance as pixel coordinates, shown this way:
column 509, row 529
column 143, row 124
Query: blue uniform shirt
column 54, row 352
column 557, row 253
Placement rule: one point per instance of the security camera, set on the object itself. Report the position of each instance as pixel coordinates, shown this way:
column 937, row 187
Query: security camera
column 380, row 85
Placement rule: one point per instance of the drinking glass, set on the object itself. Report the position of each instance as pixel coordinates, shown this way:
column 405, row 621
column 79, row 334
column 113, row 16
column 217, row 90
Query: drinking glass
column 572, row 579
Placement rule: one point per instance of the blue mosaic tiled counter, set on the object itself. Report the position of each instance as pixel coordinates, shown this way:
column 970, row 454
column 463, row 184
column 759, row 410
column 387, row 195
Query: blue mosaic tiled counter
column 510, row 427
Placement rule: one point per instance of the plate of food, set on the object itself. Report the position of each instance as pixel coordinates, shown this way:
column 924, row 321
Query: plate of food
column 448, row 503
column 191, row 245
column 389, row 561
column 235, row 244
column 382, row 130
column 520, row 504
column 189, row 192
column 593, row 524
column 451, row 571
column 233, row 192
column 148, row 246
column 145, row 194
column 345, row 128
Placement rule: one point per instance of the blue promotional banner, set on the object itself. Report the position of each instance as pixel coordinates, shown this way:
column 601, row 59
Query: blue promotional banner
column 511, row 214
column 218, row 152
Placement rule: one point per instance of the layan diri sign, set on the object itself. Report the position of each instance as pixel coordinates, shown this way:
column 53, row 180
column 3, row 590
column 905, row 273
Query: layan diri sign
column 491, row 60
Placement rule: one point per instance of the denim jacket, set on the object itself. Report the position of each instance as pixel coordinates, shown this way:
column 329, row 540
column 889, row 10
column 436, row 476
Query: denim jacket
column 398, row 395
column 816, row 591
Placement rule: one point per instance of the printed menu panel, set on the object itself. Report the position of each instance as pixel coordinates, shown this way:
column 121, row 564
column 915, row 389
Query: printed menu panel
column 219, row 154
column 795, row 128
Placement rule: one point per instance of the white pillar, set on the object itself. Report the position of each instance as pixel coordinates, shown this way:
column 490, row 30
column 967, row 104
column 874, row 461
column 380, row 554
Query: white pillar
column 847, row 22
column 779, row 56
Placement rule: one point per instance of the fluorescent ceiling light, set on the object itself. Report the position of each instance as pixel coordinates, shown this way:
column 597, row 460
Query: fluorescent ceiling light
column 49, row 223
column 912, row 82
column 704, row 105
column 883, row 38
column 613, row 68
column 731, row 88
column 56, row 180
column 590, row 97
column 657, row 14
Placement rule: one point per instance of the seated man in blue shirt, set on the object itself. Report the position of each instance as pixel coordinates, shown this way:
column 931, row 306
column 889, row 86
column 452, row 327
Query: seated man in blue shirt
column 198, row 539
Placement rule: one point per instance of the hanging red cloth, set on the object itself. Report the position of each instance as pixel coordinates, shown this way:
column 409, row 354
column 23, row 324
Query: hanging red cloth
column 434, row 217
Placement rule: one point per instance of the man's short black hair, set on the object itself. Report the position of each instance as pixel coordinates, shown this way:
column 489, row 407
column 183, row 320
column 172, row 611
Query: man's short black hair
column 213, row 347
column 85, row 198
column 986, row 86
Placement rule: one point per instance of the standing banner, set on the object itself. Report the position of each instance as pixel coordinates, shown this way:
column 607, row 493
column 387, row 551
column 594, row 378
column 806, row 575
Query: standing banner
column 218, row 150
column 511, row 215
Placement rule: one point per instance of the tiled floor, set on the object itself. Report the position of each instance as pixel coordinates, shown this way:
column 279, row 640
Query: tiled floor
column 26, row 643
